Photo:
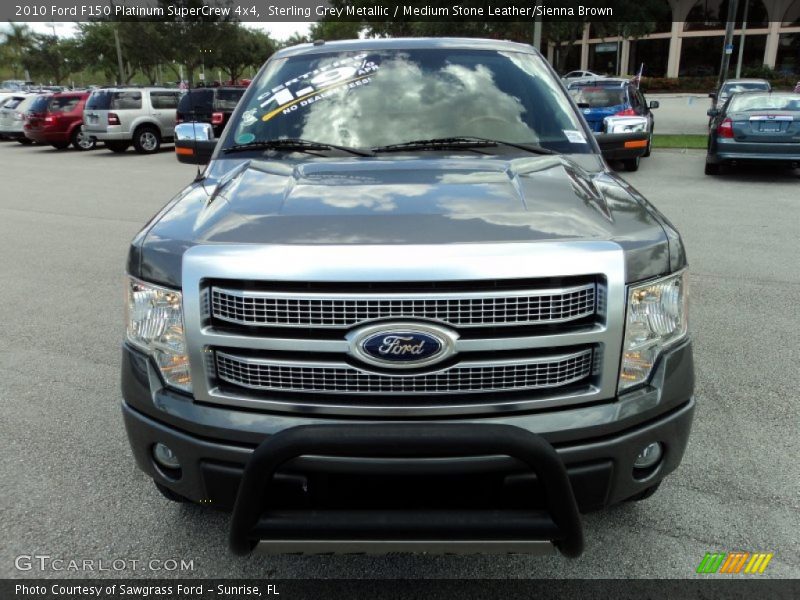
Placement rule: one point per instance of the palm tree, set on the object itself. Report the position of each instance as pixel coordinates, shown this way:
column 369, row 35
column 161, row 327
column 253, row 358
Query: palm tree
column 18, row 40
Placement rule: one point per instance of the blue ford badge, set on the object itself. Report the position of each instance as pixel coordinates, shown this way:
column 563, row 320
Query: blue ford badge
column 397, row 346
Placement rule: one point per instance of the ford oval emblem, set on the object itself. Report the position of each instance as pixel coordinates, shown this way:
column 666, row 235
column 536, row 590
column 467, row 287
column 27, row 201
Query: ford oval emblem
column 401, row 345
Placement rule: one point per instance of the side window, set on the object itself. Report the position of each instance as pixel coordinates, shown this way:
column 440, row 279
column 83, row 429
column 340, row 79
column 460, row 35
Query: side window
column 162, row 100
column 127, row 100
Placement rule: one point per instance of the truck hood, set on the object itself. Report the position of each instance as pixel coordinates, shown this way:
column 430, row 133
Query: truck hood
column 398, row 200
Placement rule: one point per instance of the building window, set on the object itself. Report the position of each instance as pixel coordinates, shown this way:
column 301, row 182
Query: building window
column 788, row 59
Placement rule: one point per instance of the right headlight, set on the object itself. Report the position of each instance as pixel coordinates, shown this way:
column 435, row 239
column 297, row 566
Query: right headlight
column 155, row 326
column 656, row 317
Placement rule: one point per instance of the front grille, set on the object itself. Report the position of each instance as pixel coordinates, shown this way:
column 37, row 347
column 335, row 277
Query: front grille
column 489, row 309
column 509, row 375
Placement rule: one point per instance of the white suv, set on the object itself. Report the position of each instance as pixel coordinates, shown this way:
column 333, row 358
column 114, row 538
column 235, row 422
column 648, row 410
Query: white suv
column 144, row 117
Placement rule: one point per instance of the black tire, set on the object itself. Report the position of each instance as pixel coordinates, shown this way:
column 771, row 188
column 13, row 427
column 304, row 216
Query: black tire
column 81, row 141
column 170, row 495
column 645, row 494
column 146, row 140
column 712, row 169
column 60, row 145
column 118, row 147
column 24, row 141
column 631, row 164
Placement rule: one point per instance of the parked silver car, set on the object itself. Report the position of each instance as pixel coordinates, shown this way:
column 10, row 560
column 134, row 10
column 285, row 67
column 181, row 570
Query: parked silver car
column 144, row 117
column 12, row 116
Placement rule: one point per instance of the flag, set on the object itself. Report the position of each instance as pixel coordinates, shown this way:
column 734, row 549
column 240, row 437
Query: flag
column 638, row 78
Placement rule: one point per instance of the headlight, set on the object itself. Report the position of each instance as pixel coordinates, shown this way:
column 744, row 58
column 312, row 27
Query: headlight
column 656, row 318
column 155, row 325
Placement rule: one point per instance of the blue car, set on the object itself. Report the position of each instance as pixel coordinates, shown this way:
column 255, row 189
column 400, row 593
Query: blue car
column 601, row 98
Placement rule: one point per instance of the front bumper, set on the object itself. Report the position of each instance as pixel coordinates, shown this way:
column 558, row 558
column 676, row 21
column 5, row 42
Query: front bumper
column 597, row 443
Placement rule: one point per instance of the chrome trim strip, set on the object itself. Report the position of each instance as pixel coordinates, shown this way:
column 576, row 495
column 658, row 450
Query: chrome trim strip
column 384, row 263
column 534, row 547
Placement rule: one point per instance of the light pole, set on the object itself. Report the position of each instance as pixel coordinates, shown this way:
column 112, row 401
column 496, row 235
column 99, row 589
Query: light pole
column 741, row 40
column 727, row 47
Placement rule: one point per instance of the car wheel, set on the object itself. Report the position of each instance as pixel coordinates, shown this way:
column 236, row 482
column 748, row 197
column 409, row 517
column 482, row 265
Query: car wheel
column 146, row 140
column 24, row 141
column 631, row 164
column 712, row 169
column 60, row 145
column 117, row 147
column 169, row 494
column 645, row 494
column 81, row 141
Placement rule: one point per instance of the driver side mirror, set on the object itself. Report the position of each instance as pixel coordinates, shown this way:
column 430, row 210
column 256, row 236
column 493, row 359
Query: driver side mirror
column 713, row 95
column 194, row 143
column 654, row 104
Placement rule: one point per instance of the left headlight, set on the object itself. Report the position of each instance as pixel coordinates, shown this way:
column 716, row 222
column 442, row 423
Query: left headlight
column 656, row 318
column 155, row 325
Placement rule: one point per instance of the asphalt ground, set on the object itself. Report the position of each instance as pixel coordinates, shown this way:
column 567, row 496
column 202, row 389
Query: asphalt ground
column 71, row 489
column 680, row 113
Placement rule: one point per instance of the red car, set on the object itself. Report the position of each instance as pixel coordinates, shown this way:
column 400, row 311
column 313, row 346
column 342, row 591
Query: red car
column 60, row 123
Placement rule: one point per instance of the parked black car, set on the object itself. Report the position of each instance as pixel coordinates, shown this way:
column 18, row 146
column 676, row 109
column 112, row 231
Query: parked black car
column 757, row 127
column 209, row 105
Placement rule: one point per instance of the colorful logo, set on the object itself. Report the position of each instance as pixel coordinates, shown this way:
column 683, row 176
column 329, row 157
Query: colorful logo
column 735, row 562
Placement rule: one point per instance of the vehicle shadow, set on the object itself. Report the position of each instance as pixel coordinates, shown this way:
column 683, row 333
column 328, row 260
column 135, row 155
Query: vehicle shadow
column 754, row 173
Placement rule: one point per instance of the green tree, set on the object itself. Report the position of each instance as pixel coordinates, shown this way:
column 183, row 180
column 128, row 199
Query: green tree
column 18, row 39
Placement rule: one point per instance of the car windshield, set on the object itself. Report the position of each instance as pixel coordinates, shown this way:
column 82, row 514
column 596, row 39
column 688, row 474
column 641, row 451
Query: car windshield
column 382, row 97
column 735, row 88
column 758, row 102
column 228, row 99
column 200, row 101
column 598, row 97
column 12, row 102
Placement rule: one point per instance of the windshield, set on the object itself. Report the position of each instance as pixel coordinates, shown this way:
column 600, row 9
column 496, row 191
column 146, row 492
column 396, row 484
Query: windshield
column 598, row 97
column 378, row 98
column 757, row 102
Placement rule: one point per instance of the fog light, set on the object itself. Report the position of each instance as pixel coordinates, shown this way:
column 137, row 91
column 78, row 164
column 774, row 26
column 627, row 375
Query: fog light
column 648, row 457
column 165, row 457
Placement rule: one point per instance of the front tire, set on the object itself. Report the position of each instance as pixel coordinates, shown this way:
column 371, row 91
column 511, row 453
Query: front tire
column 649, row 146
column 147, row 140
column 118, row 147
column 81, row 141
column 631, row 164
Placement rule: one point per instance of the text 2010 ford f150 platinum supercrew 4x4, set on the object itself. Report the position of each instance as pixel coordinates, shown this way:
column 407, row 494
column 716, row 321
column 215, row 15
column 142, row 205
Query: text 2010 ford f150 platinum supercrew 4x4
column 406, row 307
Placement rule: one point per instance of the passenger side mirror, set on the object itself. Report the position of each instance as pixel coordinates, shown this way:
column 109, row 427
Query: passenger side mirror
column 654, row 104
column 712, row 112
column 194, row 143
column 713, row 95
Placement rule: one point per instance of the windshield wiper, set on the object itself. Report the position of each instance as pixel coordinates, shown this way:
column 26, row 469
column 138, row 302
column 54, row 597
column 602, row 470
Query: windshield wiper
column 465, row 142
column 290, row 144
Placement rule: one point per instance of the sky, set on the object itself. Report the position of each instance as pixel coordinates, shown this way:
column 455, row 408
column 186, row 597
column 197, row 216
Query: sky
column 278, row 31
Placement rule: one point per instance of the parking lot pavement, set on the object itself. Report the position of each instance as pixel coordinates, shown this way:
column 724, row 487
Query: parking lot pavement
column 681, row 113
column 72, row 491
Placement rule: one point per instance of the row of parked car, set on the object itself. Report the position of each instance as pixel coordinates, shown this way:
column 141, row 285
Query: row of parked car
column 142, row 117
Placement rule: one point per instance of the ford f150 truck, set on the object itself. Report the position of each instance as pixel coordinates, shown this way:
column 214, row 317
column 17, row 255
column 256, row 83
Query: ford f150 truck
column 406, row 306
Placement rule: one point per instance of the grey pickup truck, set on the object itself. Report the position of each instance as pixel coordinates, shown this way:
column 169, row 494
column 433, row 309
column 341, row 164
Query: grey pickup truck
column 406, row 306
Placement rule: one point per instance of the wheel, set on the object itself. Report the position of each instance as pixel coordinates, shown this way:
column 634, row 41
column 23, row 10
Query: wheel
column 146, row 140
column 118, row 147
column 645, row 494
column 24, row 141
column 169, row 494
column 631, row 164
column 81, row 141
column 712, row 169
column 60, row 145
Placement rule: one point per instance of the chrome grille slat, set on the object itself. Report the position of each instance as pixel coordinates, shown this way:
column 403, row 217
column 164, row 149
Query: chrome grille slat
column 466, row 377
column 487, row 309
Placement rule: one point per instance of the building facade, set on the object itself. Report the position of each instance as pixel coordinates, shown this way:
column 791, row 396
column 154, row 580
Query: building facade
column 691, row 42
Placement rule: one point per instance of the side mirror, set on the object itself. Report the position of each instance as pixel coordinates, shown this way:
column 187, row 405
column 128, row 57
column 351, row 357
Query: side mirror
column 713, row 95
column 194, row 143
column 654, row 104
column 712, row 112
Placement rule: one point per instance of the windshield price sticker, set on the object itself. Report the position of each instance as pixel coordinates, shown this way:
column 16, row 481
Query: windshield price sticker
column 574, row 136
column 316, row 85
